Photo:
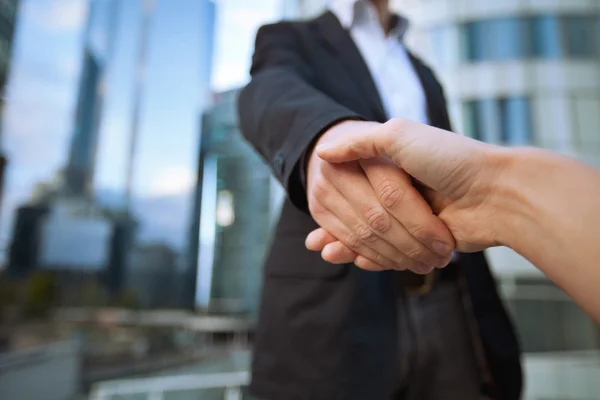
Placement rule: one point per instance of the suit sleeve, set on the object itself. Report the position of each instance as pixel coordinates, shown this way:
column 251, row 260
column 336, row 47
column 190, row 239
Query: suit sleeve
column 281, row 112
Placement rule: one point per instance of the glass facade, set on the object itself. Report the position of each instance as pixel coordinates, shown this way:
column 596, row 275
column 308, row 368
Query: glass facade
column 496, row 40
column 102, row 129
column 118, row 194
column 544, row 36
column 235, row 217
column 504, row 121
column 8, row 15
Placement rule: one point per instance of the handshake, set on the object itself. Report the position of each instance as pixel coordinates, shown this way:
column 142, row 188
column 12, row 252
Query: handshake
column 402, row 195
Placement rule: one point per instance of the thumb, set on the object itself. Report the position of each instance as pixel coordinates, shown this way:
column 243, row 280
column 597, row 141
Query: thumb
column 355, row 146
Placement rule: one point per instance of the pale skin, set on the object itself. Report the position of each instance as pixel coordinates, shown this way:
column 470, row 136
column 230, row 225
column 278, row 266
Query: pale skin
column 542, row 205
column 373, row 207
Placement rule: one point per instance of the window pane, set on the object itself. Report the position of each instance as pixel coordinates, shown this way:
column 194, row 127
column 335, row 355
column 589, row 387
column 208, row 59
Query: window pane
column 470, row 120
column 508, row 39
column 471, row 39
column 444, row 45
column 545, row 36
column 497, row 40
column 579, row 36
column 515, row 124
column 489, row 120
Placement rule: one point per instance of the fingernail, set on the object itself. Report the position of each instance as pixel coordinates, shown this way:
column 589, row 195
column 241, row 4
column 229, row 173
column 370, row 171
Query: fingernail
column 441, row 248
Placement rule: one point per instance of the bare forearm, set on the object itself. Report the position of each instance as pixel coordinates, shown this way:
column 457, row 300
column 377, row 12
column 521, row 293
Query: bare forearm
column 548, row 212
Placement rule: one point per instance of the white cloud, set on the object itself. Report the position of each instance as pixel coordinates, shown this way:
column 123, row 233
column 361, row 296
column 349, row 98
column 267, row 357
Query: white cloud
column 58, row 15
column 172, row 181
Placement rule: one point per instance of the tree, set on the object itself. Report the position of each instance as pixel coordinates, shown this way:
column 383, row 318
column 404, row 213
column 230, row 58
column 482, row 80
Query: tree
column 128, row 299
column 94, row 295
column 41, row 292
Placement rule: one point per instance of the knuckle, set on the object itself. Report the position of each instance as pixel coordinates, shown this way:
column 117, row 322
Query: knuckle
column 320, row 186
column 381, row 261
column 419, row 253
column 315, row 208
column 351, row 241
column 365, row 234
column 402, row 265
column 391, row 195
column 420, row 232
column 396, row 124
column 378, row 220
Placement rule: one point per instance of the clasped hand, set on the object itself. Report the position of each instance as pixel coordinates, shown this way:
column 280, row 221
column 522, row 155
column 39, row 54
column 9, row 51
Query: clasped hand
column 361, row 194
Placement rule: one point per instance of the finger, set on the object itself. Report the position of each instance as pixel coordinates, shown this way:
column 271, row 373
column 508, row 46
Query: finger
column 331, row 222
column 436, row 157
column 357, row 145
column 318, row 239
column 355, row 229
column 374, row 224
column 435, row 199
column 356, row 244
column 366, row 264
column 395, row 190
column 332, row 250
column 384, row 140
column 338, row 253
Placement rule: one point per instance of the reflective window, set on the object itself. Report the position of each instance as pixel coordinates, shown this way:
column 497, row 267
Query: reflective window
column 497, row 40
column 545, row 36
column 101, row 133
column 579, row 36
column 515, row 121
column 444, row 45
column 235, row 221
column 504, row 121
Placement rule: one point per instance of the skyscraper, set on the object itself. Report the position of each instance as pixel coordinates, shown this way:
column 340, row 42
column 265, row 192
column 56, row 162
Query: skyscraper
column 237, row 200
column 8, row 13
column 99, row 37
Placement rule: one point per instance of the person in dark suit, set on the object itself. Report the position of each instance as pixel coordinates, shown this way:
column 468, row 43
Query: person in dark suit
column 337, row 331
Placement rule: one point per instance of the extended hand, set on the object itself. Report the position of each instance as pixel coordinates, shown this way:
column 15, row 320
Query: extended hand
column 458, row 172
column 374, row 210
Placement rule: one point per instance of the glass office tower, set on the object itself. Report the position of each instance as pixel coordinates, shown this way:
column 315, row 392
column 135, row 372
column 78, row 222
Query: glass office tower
column 102, row 131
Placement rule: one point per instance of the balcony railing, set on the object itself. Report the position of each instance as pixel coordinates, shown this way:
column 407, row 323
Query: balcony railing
column 157, row 388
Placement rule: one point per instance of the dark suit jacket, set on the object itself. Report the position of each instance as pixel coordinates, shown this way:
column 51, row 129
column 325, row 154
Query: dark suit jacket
column 327, row 331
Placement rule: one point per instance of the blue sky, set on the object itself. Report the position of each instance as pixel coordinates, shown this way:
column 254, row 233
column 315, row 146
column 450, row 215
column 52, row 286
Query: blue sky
column 41, row 95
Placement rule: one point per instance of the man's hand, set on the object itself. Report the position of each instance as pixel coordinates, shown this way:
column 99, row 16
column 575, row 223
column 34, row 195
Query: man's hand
column 374, row 210
column 459, row 174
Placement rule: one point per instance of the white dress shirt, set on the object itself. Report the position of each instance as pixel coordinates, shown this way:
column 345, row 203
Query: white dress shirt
column 392, row 71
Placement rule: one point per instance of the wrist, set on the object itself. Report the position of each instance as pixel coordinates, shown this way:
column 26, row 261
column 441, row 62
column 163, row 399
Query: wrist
column 514, row 199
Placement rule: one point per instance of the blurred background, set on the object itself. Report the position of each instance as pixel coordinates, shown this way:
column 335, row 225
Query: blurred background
column 134, row 219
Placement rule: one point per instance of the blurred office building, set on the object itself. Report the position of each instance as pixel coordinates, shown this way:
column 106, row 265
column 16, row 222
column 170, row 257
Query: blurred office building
column 8, row 16
column 61, row 228
column 239, row 203
column 102, row 130
column 123, row 197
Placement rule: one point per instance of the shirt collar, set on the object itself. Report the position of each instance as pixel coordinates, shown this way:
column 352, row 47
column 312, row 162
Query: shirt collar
column 356, row 12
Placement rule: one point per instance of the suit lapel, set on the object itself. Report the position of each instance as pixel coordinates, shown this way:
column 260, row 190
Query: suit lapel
column 345, row 49
column 434, row 97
